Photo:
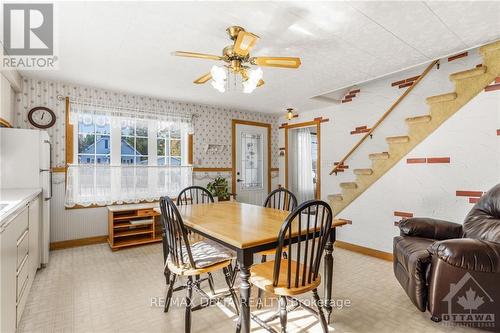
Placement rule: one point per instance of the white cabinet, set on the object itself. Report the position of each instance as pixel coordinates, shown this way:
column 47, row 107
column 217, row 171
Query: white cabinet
column 34, row 220
column 19, row 260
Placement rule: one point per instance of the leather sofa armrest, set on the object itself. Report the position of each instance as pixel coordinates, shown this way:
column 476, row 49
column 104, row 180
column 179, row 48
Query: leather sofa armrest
column 430, row 228
column 469, row 254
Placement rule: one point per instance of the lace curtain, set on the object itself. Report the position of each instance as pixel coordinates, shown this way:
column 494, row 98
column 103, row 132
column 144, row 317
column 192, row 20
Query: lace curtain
column 105, row 185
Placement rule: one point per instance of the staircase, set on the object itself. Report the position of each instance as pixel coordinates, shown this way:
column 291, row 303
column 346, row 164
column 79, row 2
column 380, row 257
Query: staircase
column 468, row 84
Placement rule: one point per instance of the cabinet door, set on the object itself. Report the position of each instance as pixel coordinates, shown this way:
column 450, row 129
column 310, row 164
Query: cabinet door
column 34, row 223
column 8, row 270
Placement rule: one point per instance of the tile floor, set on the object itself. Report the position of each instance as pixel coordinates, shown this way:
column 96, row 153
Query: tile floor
column 91, row 289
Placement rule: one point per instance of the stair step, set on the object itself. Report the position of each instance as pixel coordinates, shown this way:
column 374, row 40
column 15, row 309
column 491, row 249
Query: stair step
column 397, row 139
column 379, row 156
column 441, row 98
column 335, row 197
column 419, row 119
column 468, row 73
column 490, row 47
column 363, row 171
column 349, row 185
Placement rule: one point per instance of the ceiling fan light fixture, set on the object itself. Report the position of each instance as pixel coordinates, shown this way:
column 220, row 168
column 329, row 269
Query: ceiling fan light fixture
column 254, row 78
column 219, row 78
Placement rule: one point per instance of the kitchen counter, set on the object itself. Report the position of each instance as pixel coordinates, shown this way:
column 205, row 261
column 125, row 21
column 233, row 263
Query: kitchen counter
column 12, row 200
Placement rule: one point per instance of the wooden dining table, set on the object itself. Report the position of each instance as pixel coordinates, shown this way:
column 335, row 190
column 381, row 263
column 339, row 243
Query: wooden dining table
column 248, row 229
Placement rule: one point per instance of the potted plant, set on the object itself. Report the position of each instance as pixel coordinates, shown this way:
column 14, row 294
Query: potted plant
column 219, row 188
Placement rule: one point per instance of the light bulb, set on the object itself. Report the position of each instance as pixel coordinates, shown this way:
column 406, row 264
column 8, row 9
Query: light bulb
column 219, row 86
column 219, row 77
column 254, row 76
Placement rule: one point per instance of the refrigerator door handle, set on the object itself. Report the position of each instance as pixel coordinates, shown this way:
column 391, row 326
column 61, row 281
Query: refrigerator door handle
column 48, row 170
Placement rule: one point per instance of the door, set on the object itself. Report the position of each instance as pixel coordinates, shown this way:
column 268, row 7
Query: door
column 252, row 163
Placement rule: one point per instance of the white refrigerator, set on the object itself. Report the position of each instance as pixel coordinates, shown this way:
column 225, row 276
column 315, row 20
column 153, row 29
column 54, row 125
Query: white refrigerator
column 25, row 160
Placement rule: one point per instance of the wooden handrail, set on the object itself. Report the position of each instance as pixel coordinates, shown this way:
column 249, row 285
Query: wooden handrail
column 393, row 106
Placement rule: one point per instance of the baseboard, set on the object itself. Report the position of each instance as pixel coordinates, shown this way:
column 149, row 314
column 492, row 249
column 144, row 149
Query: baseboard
column 78, row 242
column 364, row 250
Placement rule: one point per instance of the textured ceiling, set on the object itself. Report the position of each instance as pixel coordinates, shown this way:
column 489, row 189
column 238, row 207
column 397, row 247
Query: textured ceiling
column 127, row 46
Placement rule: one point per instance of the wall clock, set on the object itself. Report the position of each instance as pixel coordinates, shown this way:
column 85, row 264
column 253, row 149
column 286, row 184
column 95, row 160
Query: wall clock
column 42, row 117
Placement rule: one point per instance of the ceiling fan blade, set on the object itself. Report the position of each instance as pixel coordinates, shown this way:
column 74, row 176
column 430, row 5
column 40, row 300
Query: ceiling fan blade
column 260, row 83
column 284, row 62
column 197, row 55
column 244, row 43
column 204, row 78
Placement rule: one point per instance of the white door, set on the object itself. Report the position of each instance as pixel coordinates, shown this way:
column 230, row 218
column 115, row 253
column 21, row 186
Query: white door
column 251, row 164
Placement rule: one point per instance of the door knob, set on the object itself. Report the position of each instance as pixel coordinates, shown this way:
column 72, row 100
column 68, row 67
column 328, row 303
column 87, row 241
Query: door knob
column 239, row 180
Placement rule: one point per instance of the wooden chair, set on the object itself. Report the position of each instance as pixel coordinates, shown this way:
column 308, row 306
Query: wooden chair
column 196, row 195
column 281, row 199
column 185, row 259
column 188, row 196
column 310, row 225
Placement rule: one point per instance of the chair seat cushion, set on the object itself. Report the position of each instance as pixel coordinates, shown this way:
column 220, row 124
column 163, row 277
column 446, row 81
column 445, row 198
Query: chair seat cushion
column 411, row 264
column 261, row 275
column 206, row 253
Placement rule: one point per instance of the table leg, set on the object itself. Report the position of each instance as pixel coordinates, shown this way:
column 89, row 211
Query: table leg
column 245, row 261
column 329, row 274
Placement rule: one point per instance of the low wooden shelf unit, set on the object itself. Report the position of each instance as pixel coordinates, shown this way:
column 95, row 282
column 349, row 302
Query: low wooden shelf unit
column 133, row 224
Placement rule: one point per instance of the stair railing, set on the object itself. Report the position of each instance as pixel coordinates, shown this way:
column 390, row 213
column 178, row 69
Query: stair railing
column 368, row 134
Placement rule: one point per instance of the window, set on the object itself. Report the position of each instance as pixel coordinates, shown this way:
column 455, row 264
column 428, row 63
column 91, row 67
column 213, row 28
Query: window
column 116, row 140
column 169, row 146
column 252, row 163
column 93, row 140
column 134, row 142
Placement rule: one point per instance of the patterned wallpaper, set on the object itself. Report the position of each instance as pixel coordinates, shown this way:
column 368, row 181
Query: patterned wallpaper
column 211, row 125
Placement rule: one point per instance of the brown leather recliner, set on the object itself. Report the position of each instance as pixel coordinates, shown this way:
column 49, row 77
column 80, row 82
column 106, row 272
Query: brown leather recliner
column 453, row 270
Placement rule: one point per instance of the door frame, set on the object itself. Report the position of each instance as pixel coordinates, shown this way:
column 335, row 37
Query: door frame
column 235, row 122
column 317, row 123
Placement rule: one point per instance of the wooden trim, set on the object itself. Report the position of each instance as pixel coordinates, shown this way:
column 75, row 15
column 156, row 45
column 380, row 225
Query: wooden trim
column 235, row 122
column 305, row 124
column 5, row 123
column 275, row 169
column 316, row 122
column 212, row 169
column 58, row 169
column 190, row 149
column 78, row 242
column 364, row 250
column 69, row 135
column 385, row 115
column 286, row 157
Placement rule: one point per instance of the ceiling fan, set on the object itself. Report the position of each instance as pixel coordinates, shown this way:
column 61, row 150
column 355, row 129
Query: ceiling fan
column 238, row 61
